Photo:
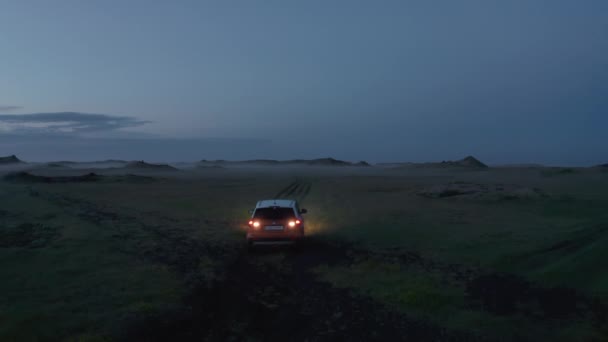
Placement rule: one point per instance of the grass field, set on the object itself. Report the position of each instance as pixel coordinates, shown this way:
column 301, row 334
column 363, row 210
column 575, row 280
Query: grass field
column 421, row 253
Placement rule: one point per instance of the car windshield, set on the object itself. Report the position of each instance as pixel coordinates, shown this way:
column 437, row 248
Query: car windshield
column 274, row 213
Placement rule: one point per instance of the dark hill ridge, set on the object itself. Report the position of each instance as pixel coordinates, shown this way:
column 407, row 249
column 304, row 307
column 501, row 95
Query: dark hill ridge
column 142, row 165
column 58, row 165
column 117, row 161
column 313, row 162
column 469, row 161
column 10, row 160
column 321, row 161
column 26, row 177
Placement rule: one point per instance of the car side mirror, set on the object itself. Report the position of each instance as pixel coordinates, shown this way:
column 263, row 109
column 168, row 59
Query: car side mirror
column 251, row 211
column 303, row 211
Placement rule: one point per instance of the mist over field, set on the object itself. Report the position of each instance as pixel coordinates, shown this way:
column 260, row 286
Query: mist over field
column 50, row 148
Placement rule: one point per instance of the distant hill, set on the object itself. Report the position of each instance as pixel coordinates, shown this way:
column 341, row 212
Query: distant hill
column 57, row 165
column 142, row 165
column 26, row 177
column 321, row 161
column 10, row 160
column 520, row 166
column 469, row 161
column 271, row 162
column 108, row 161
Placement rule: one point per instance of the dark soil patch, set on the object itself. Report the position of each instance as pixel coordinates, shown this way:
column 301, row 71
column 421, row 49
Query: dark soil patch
column 30, row 235
column 7, row 214
column 578, row 240
column 488, row 191
column 259, row 300
column 168, row 245
column 504, row 294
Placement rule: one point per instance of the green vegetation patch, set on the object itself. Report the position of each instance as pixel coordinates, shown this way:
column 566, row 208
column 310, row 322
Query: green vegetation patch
column 462, row 305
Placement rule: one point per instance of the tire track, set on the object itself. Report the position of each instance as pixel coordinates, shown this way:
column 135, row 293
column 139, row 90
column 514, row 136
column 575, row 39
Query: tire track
column 287, row 190
column 297, row 190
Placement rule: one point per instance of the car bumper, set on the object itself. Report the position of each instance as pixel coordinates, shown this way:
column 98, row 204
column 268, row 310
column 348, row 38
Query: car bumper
column 279, row 236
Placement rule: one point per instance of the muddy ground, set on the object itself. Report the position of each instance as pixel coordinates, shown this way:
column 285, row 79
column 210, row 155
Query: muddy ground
column 258, row 299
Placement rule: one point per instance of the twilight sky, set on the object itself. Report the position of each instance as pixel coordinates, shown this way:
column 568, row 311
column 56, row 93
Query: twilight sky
column 508, row 81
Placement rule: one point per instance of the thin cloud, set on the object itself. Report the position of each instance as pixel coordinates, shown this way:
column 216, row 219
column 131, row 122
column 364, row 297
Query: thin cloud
column 66, row 122
column 9, row 108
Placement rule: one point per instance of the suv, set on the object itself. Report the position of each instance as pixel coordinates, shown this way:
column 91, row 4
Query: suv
column 275, row 221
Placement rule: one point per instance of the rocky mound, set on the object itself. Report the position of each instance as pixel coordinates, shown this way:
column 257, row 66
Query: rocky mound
column 470, row 162
column 142, row 165
column 10, row 160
